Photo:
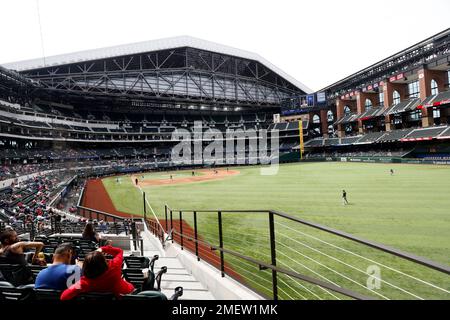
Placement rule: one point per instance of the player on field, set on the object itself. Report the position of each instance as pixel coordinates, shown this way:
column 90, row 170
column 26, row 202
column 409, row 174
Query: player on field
column 392, row 172
column 344, row 198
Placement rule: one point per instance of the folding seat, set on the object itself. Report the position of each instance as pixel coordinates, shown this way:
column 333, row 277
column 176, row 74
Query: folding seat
column 16, row 274
column 144, row 280
column 8, row 292
column 139, row 262
column 94, row 296
column 47, row 294
column 153, row 295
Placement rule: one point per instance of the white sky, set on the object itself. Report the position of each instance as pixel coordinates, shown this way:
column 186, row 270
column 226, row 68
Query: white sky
column 318, row 42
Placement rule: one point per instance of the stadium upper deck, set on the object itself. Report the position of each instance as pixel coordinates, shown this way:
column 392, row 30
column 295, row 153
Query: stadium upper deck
column 406, row 90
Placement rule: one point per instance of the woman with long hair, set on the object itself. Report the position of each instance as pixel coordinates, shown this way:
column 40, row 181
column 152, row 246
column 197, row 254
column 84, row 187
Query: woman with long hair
column 90, row 234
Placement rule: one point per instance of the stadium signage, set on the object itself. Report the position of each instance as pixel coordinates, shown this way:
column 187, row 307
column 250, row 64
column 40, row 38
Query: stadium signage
column 397, row 77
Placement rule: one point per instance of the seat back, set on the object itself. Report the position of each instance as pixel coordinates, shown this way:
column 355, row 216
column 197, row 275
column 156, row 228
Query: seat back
column 36, row 269
column 47, row 294
column 15, row 274
column 136, row 262
column 137, row 278
column 8, row 292
column 145, row 295
column 91, row 296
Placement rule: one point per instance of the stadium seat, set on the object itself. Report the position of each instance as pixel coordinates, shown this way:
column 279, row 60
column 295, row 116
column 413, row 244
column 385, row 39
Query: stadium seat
column 153, row 295
column 16, row 274
column 47, row 294
column 93, row 296
column 35, row 269
column 140, row 262
column 8, row 292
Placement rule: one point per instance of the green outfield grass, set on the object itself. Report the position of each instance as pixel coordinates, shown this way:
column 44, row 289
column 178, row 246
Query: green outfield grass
column 409, row 211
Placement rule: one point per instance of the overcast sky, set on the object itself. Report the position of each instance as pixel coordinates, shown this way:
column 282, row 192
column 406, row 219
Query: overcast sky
column 318, row 42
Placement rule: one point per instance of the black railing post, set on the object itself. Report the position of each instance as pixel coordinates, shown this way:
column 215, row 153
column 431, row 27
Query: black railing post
column 195, row 235
column 273, row 255
column 165, row 214
column 134, row 233
column 171, row 224
column 145, row 207
column 142, row 247
column 181, row 229
column 222, row 264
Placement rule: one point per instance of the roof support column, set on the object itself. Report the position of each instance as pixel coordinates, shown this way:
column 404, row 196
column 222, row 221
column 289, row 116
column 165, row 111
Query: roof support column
column 324, row 122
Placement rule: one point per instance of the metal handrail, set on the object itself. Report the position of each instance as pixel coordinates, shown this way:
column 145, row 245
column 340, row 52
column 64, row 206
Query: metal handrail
column 414, row 258
column 272, row 266
column 262, row 265
column 423, row 261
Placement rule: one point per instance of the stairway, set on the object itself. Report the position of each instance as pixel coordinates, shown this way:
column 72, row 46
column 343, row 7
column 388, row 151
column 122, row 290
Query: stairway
column 176, row 275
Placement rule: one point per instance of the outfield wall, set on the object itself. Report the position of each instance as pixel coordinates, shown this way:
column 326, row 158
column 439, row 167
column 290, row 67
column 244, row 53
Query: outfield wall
column 379, row 160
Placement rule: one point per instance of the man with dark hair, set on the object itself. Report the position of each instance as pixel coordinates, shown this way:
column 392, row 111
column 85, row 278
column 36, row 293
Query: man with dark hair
column 61, row 274
column 12, row 250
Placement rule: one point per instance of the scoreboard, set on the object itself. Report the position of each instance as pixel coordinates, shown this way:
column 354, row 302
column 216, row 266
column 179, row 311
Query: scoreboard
column 302, row 104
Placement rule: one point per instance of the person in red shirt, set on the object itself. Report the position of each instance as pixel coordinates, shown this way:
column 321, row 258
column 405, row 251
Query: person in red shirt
column 100, row 275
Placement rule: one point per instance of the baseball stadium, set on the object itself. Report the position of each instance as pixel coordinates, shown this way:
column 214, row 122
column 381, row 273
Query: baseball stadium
column 198, row 171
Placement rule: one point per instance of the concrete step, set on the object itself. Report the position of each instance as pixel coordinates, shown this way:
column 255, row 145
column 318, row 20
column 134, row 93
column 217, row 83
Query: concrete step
column 172, row 284
column 178, row 272
column 179, row 277
column 191, row 294
column 169, row 263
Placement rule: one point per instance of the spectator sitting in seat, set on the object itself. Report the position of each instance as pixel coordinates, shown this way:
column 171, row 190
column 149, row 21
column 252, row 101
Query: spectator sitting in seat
column 61, row 274
column 100, row 275
column 12, row 250
column 90, row 234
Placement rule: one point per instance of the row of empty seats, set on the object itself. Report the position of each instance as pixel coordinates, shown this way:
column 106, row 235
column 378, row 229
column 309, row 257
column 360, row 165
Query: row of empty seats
column 388, row 136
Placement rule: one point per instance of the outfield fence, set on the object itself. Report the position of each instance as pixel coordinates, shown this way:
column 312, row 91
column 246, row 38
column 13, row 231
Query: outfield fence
column 281, row 256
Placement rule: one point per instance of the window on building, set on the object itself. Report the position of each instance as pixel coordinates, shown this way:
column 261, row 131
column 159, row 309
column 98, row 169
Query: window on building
column 434, row 87
column 413, row 89
column 330, row 116
column 348, row 128
column 415, row 115
column 381, row 98
column 330, row 129
column 436, row 113
column 395, row 97
column 368, row 104
column 316, row 119
column 347, row 110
